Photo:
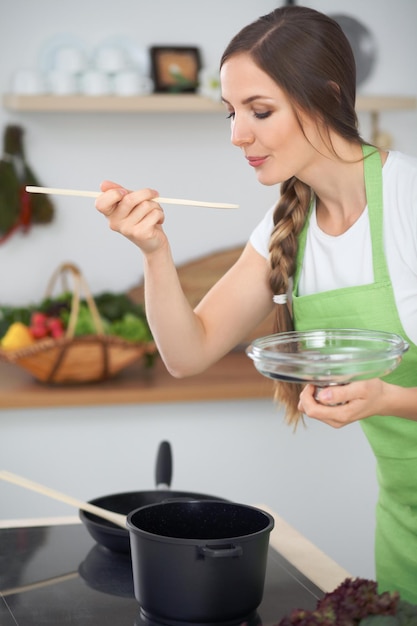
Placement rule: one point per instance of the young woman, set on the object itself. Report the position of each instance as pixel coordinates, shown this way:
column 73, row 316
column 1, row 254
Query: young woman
column 340, row 245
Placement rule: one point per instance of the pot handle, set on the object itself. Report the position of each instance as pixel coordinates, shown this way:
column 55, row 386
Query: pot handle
column 163, row 469
column 215, row 552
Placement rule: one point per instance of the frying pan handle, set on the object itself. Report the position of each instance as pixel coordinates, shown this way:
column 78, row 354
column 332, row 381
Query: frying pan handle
column 163, row 469
column 228, row 551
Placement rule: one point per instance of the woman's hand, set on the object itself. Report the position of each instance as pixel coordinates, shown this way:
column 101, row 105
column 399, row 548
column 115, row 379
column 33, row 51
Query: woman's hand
column 134, row 214
column 343, row 404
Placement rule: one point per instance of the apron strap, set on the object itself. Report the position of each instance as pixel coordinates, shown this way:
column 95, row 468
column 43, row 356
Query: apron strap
column 374, row 197
column 302, row 239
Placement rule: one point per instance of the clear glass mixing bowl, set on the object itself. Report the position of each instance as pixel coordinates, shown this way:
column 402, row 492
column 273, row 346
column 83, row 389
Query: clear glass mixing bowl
column 328, row 356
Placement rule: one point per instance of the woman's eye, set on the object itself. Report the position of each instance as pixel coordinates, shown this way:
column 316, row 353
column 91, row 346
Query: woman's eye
column 231, row 115
column 262, row 116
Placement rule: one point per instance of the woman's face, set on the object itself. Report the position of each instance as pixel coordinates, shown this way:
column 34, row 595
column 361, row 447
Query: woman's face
column 264, row 124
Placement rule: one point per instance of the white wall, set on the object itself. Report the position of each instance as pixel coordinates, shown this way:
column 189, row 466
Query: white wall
column 320, row 480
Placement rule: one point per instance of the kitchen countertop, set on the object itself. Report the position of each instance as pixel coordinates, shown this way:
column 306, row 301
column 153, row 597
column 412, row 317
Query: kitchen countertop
column 319, row 568
column 232, row 377
column 53, row 573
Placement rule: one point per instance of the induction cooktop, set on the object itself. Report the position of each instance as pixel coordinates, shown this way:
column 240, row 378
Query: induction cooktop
column 58, row 576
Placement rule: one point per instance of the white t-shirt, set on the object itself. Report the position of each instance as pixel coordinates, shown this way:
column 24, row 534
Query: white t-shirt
column 346, row 260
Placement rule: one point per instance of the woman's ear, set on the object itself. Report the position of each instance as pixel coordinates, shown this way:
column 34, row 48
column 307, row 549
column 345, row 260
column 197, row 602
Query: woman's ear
column 335, row 88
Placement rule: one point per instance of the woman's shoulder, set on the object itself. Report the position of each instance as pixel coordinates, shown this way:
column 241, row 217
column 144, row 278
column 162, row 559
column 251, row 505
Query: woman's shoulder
column 400, row 192
column 400, row 163
column 400, row 179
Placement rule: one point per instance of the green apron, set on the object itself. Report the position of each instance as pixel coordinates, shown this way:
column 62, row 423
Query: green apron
column 392, row 439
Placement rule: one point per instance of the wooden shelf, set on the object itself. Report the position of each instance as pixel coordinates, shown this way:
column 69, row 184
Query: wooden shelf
column 233, row 377
column 378, row 104
column 155, row 103
column 165, row 103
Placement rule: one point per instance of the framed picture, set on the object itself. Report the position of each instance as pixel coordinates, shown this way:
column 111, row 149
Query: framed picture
column 175, row 68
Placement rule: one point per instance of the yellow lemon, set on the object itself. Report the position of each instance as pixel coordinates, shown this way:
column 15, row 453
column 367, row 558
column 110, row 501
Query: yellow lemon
column 17, row 336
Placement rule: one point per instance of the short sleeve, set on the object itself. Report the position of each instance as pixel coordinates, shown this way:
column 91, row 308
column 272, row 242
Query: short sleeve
column 261, row 234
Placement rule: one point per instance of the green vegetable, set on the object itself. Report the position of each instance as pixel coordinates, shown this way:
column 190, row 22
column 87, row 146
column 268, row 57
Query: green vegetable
column 85, row 323
column 114, row 306
column 127, row 318
column 380, row 620
column 406, row 613
column 9, row 315
column 131, row 327
column 55, row 306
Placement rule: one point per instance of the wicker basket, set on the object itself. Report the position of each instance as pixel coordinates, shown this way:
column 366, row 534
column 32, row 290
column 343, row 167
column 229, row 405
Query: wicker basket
column 70, row 359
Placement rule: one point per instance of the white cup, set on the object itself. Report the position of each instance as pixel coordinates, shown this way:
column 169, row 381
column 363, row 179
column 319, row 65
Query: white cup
column 131, row 83
column 61, row 83
column 95, row 83
column 27, row 82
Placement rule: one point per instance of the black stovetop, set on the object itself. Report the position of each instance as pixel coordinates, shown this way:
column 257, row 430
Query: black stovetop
column 58, row 576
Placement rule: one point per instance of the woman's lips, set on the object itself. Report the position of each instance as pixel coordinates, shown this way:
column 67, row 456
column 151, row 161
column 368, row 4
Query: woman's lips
column 256, row 161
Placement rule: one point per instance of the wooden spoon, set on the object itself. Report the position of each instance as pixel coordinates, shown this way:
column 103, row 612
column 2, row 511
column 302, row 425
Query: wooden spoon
column 111, row 516
column 96, row 194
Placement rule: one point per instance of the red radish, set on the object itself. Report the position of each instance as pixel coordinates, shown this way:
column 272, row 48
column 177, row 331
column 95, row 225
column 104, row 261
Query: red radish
column 38, row 318
column 55, row 327
column 38, row 331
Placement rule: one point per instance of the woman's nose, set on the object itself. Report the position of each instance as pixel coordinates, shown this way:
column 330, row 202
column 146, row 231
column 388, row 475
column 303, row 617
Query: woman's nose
column 241, row 133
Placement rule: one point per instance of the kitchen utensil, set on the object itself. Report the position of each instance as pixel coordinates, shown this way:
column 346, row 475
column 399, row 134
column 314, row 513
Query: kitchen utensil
column 327, row 357
column 95, row 194
column 111, row 516
column 40, row 584
column 117, row 539
column 199, row 562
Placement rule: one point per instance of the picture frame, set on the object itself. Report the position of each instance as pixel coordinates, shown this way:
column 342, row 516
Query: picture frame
column 175, row 69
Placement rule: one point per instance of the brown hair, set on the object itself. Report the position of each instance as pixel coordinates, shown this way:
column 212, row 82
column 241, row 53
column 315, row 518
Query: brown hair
column 307, row 54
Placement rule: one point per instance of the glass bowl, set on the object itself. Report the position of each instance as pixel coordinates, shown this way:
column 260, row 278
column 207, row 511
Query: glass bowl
column 327, row 357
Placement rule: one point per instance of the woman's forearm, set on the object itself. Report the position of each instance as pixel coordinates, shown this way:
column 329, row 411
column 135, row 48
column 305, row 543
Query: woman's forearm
column 176, row 329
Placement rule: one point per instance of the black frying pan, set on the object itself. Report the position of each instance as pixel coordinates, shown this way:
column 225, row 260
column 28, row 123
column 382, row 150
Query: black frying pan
column 116, row 538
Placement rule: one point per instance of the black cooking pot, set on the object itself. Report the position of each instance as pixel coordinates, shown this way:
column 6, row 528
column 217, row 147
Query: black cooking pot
column 116, row 538
column 199, row 562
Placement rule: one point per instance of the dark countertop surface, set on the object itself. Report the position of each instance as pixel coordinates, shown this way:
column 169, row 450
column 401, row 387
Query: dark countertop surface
column 55, row 574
